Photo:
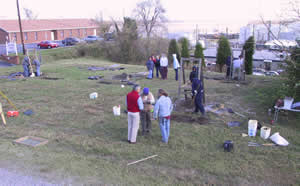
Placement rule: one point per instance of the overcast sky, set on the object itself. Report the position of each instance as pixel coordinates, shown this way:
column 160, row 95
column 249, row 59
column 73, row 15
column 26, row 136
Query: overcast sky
column 232, row 13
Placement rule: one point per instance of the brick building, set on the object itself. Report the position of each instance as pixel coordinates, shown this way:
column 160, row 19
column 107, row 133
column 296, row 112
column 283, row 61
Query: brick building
column 35, row 31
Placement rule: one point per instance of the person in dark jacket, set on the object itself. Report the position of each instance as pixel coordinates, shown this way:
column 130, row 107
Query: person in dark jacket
column 193, row 74
column 157, row 66
column 150, row 67
column 197, row 89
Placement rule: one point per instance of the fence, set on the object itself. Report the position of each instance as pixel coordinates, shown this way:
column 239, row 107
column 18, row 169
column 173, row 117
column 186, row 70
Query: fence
column 27, row 46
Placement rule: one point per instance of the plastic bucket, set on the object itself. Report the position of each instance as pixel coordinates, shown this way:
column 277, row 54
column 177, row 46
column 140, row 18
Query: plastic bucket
column 117, row 110
column 276, row 138
column 265, row 132
column 93, row 95
column 252, row 127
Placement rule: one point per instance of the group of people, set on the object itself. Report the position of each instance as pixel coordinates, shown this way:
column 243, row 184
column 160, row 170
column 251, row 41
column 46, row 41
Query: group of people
column 28, row 67
column 140, row 107
column 161, row 66
column 237, row 67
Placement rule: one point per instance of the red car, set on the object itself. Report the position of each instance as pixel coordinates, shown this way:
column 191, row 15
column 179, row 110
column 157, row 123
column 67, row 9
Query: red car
column 47, row 44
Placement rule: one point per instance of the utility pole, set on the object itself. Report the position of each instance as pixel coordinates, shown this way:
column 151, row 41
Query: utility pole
column 20, row 25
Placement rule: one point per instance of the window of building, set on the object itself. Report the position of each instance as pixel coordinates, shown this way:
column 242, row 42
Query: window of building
column 70, row 32
column 62, row 34
column 35, row 35
column 78, row 32
column 26, row 36
column 85, row 32
column 46, row 36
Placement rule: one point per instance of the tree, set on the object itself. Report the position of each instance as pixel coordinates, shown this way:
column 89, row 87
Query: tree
column 151, row 15
column 29, row 14
column 104, row 26
column 127, row 40
column 293, row 75
column 173, row 49
column 199, row 53
column 185, row 49
column 249, row 51
column 223, row 52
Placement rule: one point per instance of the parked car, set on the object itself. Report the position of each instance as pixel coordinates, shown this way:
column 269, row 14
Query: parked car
column 258, row 72
column 47, row 44
column 271, row 73
column 91, row 39
column 70, row 41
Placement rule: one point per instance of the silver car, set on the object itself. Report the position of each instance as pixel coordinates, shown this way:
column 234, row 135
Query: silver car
column 91, row 39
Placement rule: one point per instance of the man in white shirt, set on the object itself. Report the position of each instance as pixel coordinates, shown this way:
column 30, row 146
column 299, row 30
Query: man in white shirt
column 237, row 65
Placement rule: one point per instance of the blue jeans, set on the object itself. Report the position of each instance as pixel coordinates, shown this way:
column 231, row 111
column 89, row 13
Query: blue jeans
column 164, row 125
column 157, row 71
column 150, row 75
column 26, row 71
column 176, row 74
column 199, row 104
column 38, row 71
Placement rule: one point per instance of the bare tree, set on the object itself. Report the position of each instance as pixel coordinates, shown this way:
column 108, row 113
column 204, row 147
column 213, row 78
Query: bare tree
column 151, row 14
column 104, row 26
column 29, row 14
column 288, row 16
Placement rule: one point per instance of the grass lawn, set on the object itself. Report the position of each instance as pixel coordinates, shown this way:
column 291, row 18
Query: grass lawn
column 88, row 145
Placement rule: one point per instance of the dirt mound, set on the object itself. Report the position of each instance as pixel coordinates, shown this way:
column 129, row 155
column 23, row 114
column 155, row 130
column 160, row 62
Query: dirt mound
column 187, row 118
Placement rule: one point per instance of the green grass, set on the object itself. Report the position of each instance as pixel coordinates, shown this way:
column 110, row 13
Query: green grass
column 87, row 144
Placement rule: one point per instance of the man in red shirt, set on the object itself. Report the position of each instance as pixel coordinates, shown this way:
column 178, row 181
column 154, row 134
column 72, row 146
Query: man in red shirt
column 134, row 106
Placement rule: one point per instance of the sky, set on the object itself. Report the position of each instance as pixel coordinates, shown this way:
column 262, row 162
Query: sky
column 208, row 14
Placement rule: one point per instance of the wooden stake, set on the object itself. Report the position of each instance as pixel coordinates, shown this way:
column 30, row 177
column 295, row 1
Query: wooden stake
column 2, row 114
column 142, row 160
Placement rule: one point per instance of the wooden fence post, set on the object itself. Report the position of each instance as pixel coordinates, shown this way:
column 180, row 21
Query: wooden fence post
column 180, row 74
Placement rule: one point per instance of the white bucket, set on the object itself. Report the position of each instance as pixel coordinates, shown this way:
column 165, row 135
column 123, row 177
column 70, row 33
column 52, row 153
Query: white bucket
column 288, row 101
column 252, row 127
column 117, row 110
column 93, row 95
column 279, row 140
column 265, row 132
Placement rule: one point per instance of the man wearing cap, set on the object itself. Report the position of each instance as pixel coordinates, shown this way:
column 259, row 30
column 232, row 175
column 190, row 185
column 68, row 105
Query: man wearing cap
column 134, row 106
column 148, row 100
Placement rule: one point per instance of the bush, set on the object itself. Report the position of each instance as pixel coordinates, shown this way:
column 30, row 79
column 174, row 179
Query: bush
column 249, row 51
column 199, row 53
column 292, row 84
column 223, row 52
column 173, row 49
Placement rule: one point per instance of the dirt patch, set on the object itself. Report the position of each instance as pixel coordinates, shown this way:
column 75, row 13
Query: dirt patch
column 122, row 76
column 185, row 105
column 187, row 118
column 214, row 78
column 51, row 78
column 92, row 110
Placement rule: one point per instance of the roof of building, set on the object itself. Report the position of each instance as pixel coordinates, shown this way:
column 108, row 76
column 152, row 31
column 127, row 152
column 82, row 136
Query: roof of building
column 46, row 24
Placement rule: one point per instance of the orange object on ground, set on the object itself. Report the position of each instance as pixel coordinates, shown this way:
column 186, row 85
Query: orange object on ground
column 12, row 113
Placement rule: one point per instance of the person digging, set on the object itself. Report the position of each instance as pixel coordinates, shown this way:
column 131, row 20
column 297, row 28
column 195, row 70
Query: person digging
column 197, row 90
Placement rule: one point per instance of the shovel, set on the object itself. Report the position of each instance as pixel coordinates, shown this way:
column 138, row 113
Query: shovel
column 252, row 144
